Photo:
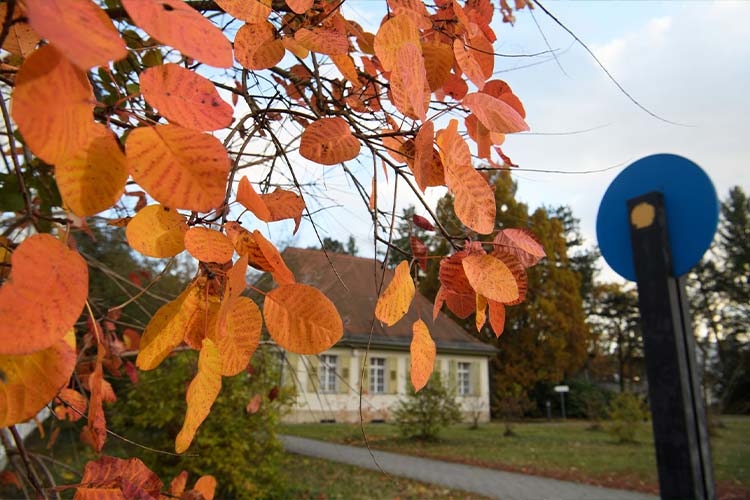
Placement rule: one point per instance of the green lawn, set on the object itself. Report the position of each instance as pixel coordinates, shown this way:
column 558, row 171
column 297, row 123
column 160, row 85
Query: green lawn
column 564, row 450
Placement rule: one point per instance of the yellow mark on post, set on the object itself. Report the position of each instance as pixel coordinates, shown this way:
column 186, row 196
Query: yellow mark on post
column 643, row 215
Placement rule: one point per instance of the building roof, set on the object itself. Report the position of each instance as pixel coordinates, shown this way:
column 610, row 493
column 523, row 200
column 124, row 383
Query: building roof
column 357, row 303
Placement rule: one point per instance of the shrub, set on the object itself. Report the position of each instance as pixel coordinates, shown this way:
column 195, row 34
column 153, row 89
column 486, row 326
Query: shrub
column 422, row 415
column 626, row 411
column 240, row 449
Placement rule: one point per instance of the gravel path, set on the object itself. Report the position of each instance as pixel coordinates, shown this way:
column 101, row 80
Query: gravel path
column 488, row 482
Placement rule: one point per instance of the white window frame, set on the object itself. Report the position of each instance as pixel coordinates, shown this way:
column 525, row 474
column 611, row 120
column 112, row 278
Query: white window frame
column 463, row 378
column 327, row 373
column 377, row 376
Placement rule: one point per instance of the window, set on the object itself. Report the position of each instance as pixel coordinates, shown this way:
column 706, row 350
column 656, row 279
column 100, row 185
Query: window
column 328, row 365
column 464, row 379
column 377, row 375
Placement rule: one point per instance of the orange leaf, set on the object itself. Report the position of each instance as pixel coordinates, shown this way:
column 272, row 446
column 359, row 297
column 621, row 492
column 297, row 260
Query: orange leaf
column 201, row 394
column 94, row 179
column 299, row 6
column 31, row 381
column 206, row 486
column 208, row 245
column 96, row 425
column 497, row 317
column 510, row 259
column 409, row 87
column 522, row 243
column 462, row 305
column 177, row 486
column 391, row 36
column 501, row 90
column 256, row 46
column 239, row 335
column 474, row 198
column 419, row 250
column 279, row 205
column 60, row 22
column 70, row 397
column 490, row 277
column 301, row 319
column 481, row 316
column 423, row 353
column 438, row 61
column 185, row 97
column 179, row 167
column 415, row 9
column 329, row 141
column 281, row 273
column 156, row 231
column 245, row 244
column 254, row 405
column 397, row 297
column 323, row 40
column 345, row 64
column 43, row 297
column 476, row 58
column 250, row 11
column 495, row 114
column 109, row 478
column 427, row 167
column 236, row 277
column 176, row 23
column 56, row 121
column 21, row 39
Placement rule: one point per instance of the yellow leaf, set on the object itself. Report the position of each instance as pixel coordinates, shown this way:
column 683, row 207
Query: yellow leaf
column 179, row 167
column 239, row 335
column 94, row 179
column 156, row 231
column 43, row 297
column 164, row 332
column 490, row 277
column 31, row 381
column 301, row 319
column 208, row 245
column 56, row 121
column 396, row 299
column 201, row 394
column 423, row 353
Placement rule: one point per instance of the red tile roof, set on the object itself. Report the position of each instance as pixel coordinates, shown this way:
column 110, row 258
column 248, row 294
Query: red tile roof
column 356, row 303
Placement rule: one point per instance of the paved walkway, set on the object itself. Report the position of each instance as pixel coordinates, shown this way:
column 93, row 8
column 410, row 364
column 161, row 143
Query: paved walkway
column 488, row 482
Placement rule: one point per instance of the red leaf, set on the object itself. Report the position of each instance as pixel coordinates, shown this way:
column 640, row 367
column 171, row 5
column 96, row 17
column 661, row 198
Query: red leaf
column 419, row 250
column 423, row 223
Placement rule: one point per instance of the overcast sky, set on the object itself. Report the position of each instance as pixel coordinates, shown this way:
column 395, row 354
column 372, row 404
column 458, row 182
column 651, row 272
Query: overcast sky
column 688, row 62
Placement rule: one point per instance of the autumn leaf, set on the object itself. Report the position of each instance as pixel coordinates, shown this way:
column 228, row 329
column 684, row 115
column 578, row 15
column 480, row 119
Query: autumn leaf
column 409, row 88
column 245, row 244
column 30, row 381
column 427, row 166
column 185, row 98
column 438, row 60
column 179, row 167
column 495, row 114
column 497, row 317
column 43, row 296
column 156, row 231
column 239, row 335
column 72, row 405
column 206, row 486
column 419, row 250
column 96, row 424
column 177, row 486
column 391, row 36
column 56, row 121
column 490, row 277
column 279, row 270
column 481, row 313
column 323, row 40
column 254, row 405
column 60, row 22
column 21, row 39
column 208, row 245
column 395, row 300
column 279, row 205
column 423, row 353
column 522, row 243
column 329, row 141
column 476, row 58
column 111, row 478
column 301, row 319
column 257, row 47
column 250, row 11
column 422, row 223
column 176, row 23
column 299, row 6
column 164, row 332
column 93, row 179
column 511, row 260
column 201, row 394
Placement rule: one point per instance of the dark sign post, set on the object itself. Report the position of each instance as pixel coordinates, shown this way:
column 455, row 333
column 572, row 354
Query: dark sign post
column 655, row 222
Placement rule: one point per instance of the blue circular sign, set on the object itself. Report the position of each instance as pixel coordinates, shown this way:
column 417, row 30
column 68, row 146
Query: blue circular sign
column 691, row 204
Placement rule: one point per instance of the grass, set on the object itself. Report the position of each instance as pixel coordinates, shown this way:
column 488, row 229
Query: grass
column 565, row 450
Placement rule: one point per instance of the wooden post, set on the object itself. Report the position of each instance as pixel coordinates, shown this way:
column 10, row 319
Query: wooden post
column 679, row 420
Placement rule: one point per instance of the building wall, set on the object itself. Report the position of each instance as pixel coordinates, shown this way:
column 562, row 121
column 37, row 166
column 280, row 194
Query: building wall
column 314, row 404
